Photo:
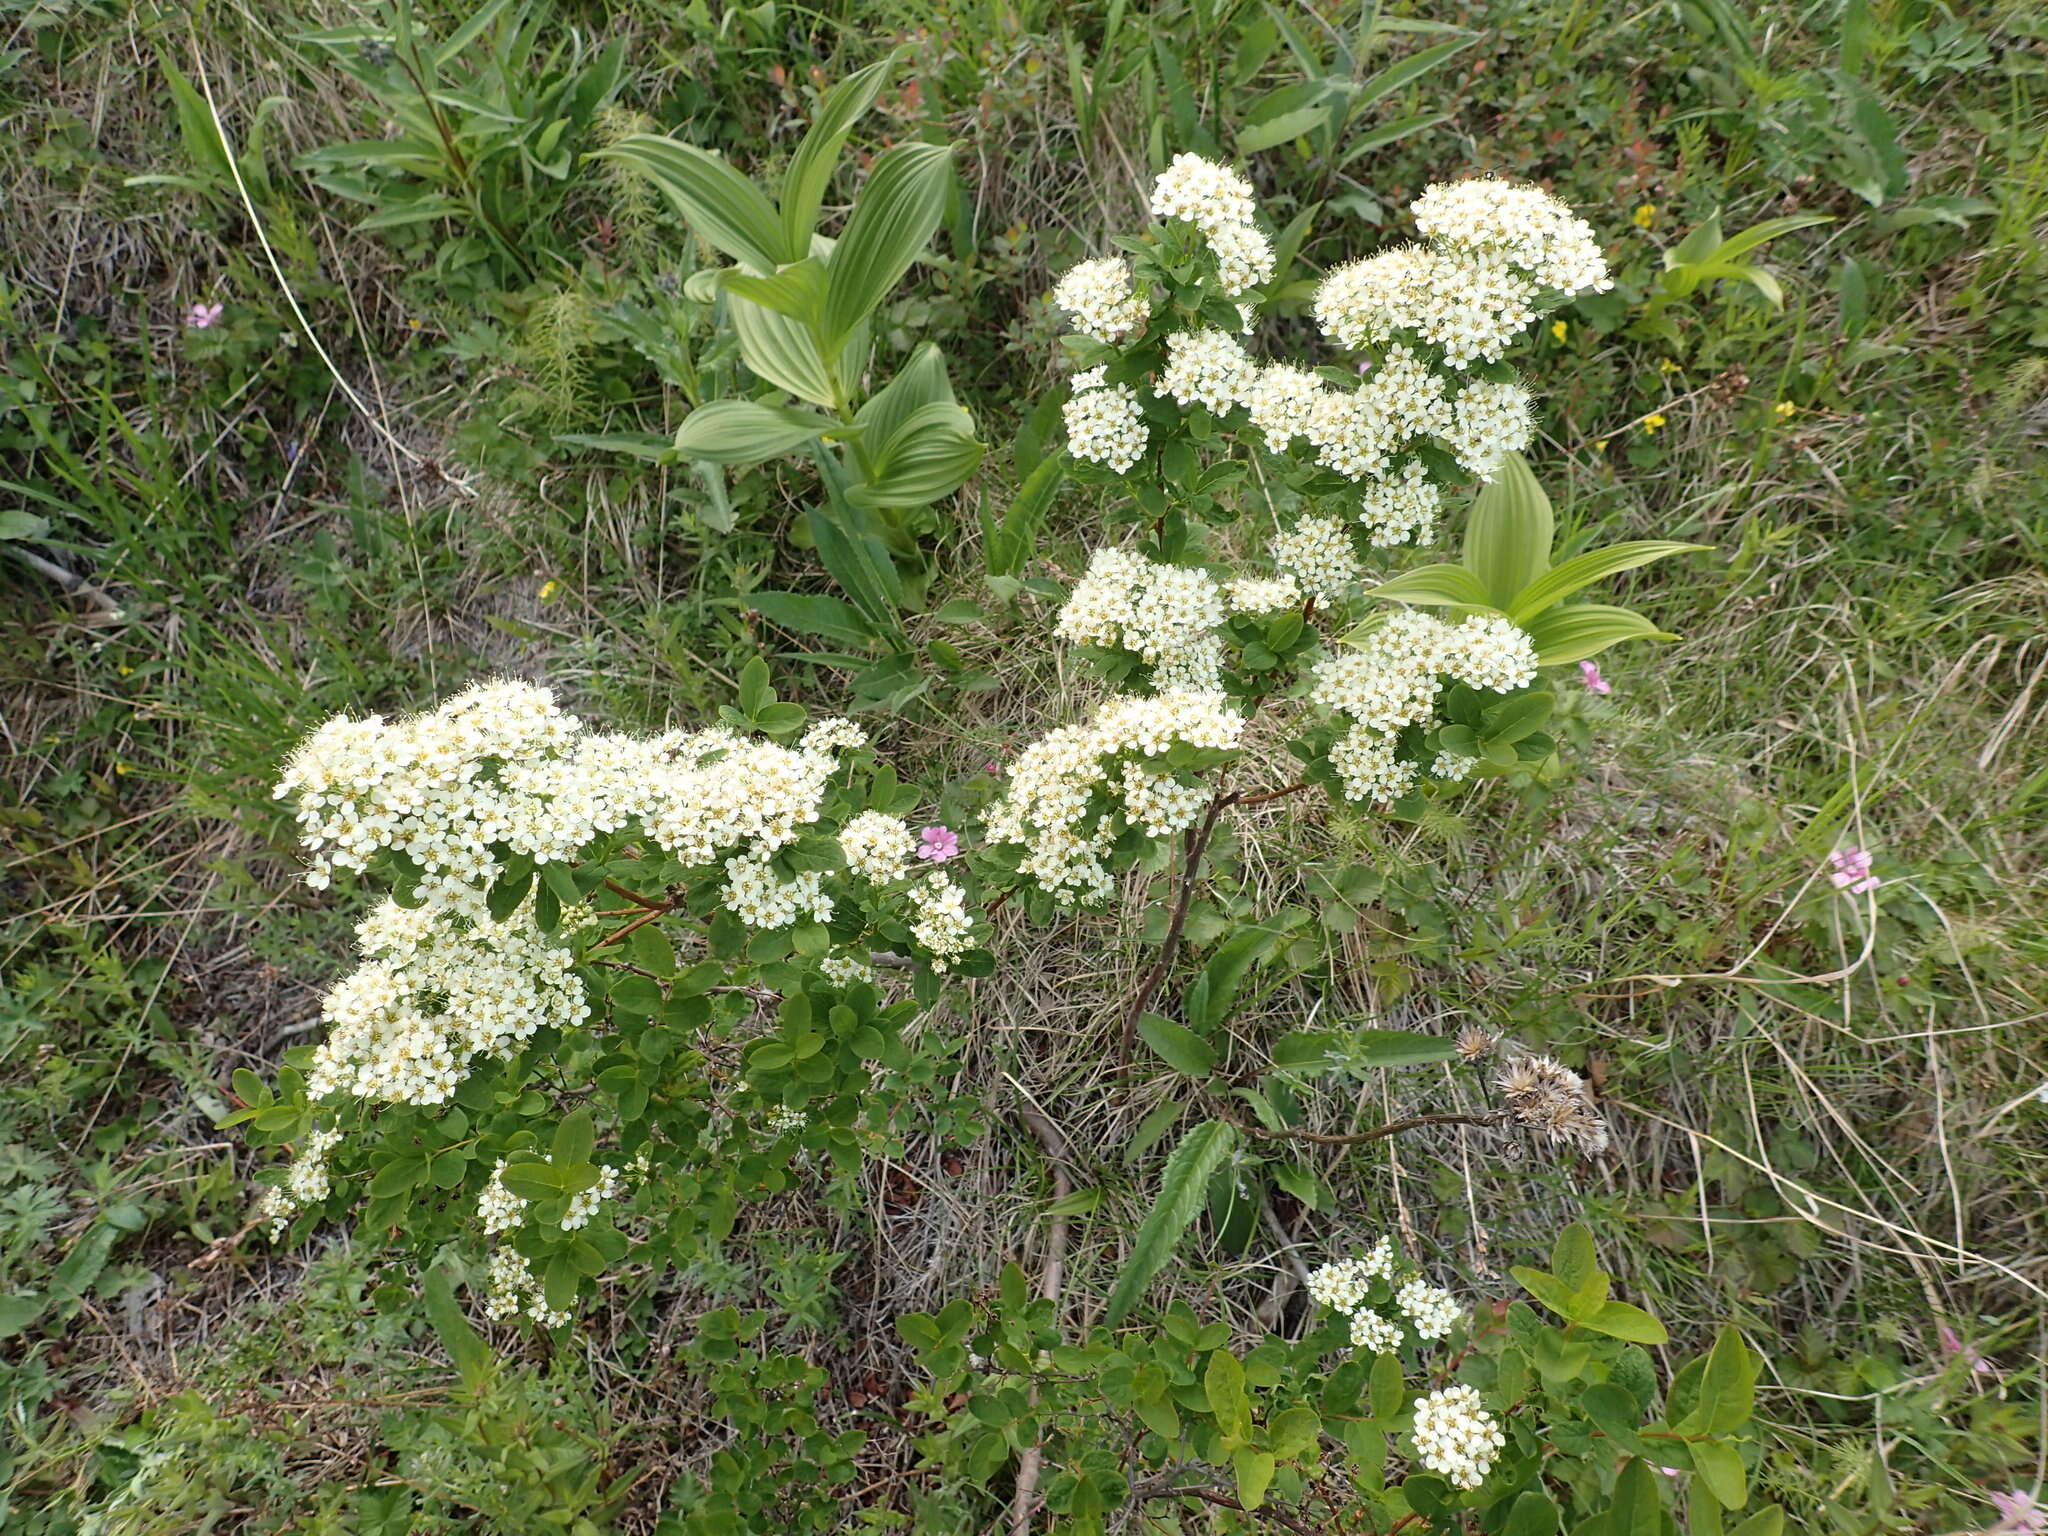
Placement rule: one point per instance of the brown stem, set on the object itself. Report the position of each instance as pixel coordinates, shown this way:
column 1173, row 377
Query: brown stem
column 639, row 922
column 635, row 897
column 1272, row 794
column 1377, row 1133
column 1222, row 1501
column 1196, row 847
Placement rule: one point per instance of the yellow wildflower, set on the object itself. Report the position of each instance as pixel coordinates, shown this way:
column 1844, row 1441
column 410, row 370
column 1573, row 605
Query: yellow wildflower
column 549, row 588
column 1667, row 365
column 1785, row 409
column 1653, row 423
column 1645, row 215
column 1600, row 445
column 1558, row 329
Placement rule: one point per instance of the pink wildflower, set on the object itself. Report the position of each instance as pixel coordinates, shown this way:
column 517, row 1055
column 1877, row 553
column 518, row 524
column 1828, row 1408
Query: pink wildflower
column 1952, row 1345
column 201, row 315
column 1589, row 672
column 2021, row 1513
column 938, row 844
column 1852, row 871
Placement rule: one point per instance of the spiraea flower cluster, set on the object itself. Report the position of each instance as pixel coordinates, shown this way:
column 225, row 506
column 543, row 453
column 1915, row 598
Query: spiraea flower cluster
column 1100, row 297
column 1105, row 422
column 1386, row 1301
column 1071, row 793
column 1167, row 615
column 1391, row 681
column 513, row 1288
column 306, row 1182
column 1455, row 1436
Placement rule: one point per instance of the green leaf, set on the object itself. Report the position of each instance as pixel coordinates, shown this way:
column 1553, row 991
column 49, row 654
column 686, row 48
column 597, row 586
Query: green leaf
column 746, row 431
column 1507, row 537
column 718, row 202
column 1533, row 1514
column 1727, row 1386
column 1720, row 1464
column 920, row 382
column 892, row 221
column 1769, row 229
column 1279, row 130
column 1178, row 1046
column 930, row 456
column 1768, row 1521
column 1398, row 1048
column 18, row 1311
column 781, row 350
column 1402, row 72
column 1182, row 1187
column 1386, row 1386
column 1551, row 1291
column 1308, row 1052
column 1440, row 586
column 465, row 1346
column 808, row 614
column 17, row 524
column 1223, row 1384
column 1573, row 1261
column 1294, row 1431
column 1378, row 138
column 1579, row 630
column 531, row 1180
column 810, row 168
column 1254, row 1471
column 1619, row 1320
column 1638, row 1509
column 1581, row 571
column 1516, row 718
column 796, row 291
column 574, row 1139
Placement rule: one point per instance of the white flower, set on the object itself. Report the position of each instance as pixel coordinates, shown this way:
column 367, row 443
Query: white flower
column 1317, row 553
column 877, row 846
column 1370, row 1331
column 1166, row 614
column 1282, row 401
column 761, row 898
column 1209, row 367
column 1401, row 508
column 514, row 1286
column 845, row 970
column 942, row 925
column 1365, row 760
column 1107, row 425
column 1244, row 258
column 780, row 1120
column 1489, row 421
column 1531, row 229
column 1455, row 1436
column 1433, row 1310
column 1453, row 765
column 497, row 1208
column 1342, row 1284
column 1209, row 196
column 1254, row 595
column 1488, row 651
column 1100, row 297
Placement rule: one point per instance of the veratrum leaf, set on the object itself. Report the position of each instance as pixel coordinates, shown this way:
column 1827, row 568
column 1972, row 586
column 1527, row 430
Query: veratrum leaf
column 1581, row 571
column 810, row 168
column 930, row 456
column 746, row 431
column 892, row 221
column 797, row 290
column 1182, row 1188
column 1441, row 586
column 1507, row 537
column 718, row 202
column 781, row 350
column 1579, row 630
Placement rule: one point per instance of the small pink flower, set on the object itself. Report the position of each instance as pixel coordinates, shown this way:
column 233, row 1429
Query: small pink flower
column 201, row 315
column 1667, row 1471
column 1589, row 673
column 1852, row 871
column 1952, row 1345
column 938, row 844
column 991, row 766
column 2020, row 1513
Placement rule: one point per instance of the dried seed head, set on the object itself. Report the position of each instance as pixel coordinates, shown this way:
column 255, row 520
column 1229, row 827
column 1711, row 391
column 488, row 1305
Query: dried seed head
column 1474, row 1043
column 1553, row 1102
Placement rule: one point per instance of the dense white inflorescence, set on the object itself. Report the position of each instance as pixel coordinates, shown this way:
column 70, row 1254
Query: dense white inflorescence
column 515, row 1288
column 1402, row 508
column 1316, row 552
column 1106, row 423
column 1488, row 422
column 1252, row 594
column 1166, row 614
column 941, row 922
column 1374, row 1333
column 1281, row 402
column 878, row 847
column 1208, row 368
column 1101, row 298
column 1212, row 197
column 1244, row 257
column 1455, row 1436
column 1432, row 1310
column 1528, row 227
column 1065, row 799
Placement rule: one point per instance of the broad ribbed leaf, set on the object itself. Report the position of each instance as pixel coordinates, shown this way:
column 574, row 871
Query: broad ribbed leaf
column 1581, row 571
column 1579, row 630
column 1439, row 586
column 1399, row 1048
column 718, row 202
column 930, row 456
column 892, row 221
column 810, row 168
column 1181, row 1190
column 918, row 383
column 1768, row 229
column 1507, row 538
column 747, row 431
column 797, row 290
column 465, row 1346
column 780, row 350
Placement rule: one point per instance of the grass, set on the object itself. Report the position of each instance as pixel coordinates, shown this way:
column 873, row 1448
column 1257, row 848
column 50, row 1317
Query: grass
column 1824, row 1130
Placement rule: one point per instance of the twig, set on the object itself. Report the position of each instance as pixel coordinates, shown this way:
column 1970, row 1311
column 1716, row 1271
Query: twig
column 1191, row 868
column 1222, row 1501
column 635, row 897
column 1377, row 1133
column 1032, row 1462
column 73, row 583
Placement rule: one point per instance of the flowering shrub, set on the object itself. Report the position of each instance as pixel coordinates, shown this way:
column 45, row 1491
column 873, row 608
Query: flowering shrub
column 1397, row 1403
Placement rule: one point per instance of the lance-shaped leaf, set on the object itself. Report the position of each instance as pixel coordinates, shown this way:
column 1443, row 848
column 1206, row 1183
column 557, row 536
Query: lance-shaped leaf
column 747, row 431
column 797, row 290
column 931, row 456
column 1581, row 571
column 1440, row 586
column 718, row 202
column 1181, row 1189
column 810, row 168
column 892, row 221
column 1579, row 630
column 781, row 350
column 1507, row 538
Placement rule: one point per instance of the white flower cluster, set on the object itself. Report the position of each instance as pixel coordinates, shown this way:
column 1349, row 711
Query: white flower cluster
column 845, row 970
column 1401, row 508
column 761, row 898
column 1391, row 680
column 1166, row 614
column 1455, row 1436
column 585, row 1202
column 497, row 1208
column 1066, row 791
column 1105, row 422
column 1209, row 196
column 514, row 1288
column 1494, row 245
column 1358, row 433
column 1488, row 422
column 1430, row 1308
column 780, row 1120
column 1207, row 367
column 1316, row 553
column 434, row 990
column 1101, row 298
column 1347, row 1285
column 940, row 921
column 1282, row 401
column 1244, row 258
column 1344, row 1283
column 877, row 846
column 305, row 1182
column 1250, row 594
